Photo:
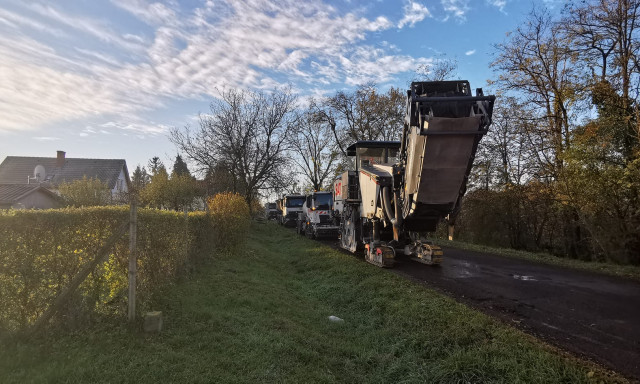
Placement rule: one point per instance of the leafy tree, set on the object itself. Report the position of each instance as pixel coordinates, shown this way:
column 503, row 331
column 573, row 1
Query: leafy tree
column 85, row 192
column 156, row 194
column 182, row 190
column 604, row 33
column 171, row 192
column 559, row 168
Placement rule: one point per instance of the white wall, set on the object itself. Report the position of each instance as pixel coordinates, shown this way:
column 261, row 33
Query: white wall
column 122, row 179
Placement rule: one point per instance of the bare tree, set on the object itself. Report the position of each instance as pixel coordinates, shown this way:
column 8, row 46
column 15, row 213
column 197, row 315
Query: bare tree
column 536, row 64
column 365, row 114
column 246, row 134
column 442, row 68
column 315, row 149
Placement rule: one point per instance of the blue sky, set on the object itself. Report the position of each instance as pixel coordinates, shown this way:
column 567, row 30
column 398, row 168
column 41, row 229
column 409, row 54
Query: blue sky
column 107, row 79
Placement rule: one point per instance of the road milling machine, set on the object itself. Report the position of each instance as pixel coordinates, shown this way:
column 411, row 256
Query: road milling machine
column 398, row 192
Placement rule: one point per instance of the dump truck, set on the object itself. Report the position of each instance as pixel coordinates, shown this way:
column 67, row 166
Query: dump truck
column 316, row 218
column 290, row 206
column 399, row 191
column 271, row 211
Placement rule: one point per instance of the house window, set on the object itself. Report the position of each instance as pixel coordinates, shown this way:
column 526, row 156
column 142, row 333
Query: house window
column 119, row 185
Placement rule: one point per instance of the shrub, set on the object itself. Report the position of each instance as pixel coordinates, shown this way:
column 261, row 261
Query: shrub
column 85, row 192
column 231, row 218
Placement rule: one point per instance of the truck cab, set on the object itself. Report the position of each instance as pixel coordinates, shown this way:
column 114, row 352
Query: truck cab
column 316, row 219
column 271, row 210
column 291, row 207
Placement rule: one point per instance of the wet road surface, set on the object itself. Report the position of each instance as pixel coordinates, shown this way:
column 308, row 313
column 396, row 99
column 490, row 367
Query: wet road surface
column 588, row 314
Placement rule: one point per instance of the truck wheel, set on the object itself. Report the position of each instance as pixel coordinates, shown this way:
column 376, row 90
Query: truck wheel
column 310, row 234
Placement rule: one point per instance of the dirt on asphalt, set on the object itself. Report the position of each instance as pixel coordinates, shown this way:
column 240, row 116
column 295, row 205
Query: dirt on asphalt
column 590, row 315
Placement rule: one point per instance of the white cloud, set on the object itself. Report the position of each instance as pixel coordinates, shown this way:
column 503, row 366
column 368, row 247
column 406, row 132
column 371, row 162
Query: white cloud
column 191, row 54
column 500, row 4
column 413, row 12
column 457, row 8
column 470, row 52
column 46, row 138
column 136, row 127
column 367, row 63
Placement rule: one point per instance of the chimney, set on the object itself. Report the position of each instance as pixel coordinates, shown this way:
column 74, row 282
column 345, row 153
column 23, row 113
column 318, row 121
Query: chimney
column 60, row 159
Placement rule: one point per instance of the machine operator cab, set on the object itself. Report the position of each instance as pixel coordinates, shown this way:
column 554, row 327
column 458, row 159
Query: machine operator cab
column 370, row 153
column 372, row 165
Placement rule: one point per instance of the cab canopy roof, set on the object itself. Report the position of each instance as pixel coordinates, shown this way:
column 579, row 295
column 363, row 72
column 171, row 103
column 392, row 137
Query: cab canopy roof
column 351, row 150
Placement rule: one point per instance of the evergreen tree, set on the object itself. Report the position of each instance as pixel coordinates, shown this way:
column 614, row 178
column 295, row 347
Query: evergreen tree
column 180, row 167
column 155, row 165
column 140, row 178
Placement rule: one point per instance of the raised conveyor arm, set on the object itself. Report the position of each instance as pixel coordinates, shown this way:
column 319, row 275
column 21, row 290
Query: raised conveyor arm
column 443, row 126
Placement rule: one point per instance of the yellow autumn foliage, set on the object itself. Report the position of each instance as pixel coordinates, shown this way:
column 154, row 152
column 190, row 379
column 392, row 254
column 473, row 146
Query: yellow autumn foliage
column 231, row 219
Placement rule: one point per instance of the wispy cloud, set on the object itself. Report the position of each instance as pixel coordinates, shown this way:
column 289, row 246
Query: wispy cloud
column 136, row 127
column 456, row 8
column 500, row 4
column 413, row 12
column 84, row 24
column 12, row 19
column 46, row 138
column 151, row 13
column 470, row 52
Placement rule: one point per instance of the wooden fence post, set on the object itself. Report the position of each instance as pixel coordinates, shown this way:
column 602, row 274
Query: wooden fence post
column 133, row 267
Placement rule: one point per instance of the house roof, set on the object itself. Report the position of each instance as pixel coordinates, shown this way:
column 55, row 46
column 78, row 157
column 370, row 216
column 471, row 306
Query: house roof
column 17, row 169
column 11, row 193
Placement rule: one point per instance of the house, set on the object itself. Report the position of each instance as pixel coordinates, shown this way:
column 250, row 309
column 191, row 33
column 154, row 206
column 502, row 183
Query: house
column 50, row 172
column 27, row 196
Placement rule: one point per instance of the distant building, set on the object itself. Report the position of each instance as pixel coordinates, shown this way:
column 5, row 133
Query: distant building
column 27, row 196
column 50, row 172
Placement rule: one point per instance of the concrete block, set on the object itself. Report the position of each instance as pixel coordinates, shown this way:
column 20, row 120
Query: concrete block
column 153, row 321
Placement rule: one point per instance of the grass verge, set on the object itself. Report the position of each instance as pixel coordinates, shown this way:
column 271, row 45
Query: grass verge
column 260, row 315
column 626, row 271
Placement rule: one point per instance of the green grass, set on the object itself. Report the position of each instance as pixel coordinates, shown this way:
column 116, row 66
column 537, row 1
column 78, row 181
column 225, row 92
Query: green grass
column 260, row 315
column 626, row 271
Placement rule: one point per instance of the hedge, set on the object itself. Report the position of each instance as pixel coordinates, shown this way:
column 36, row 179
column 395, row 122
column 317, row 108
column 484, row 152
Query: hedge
column 41, row 251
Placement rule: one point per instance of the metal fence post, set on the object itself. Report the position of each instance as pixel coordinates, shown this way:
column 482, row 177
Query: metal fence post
column 133, row 227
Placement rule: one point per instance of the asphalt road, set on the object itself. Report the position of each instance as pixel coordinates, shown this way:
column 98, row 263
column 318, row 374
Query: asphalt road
column 588, row 314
